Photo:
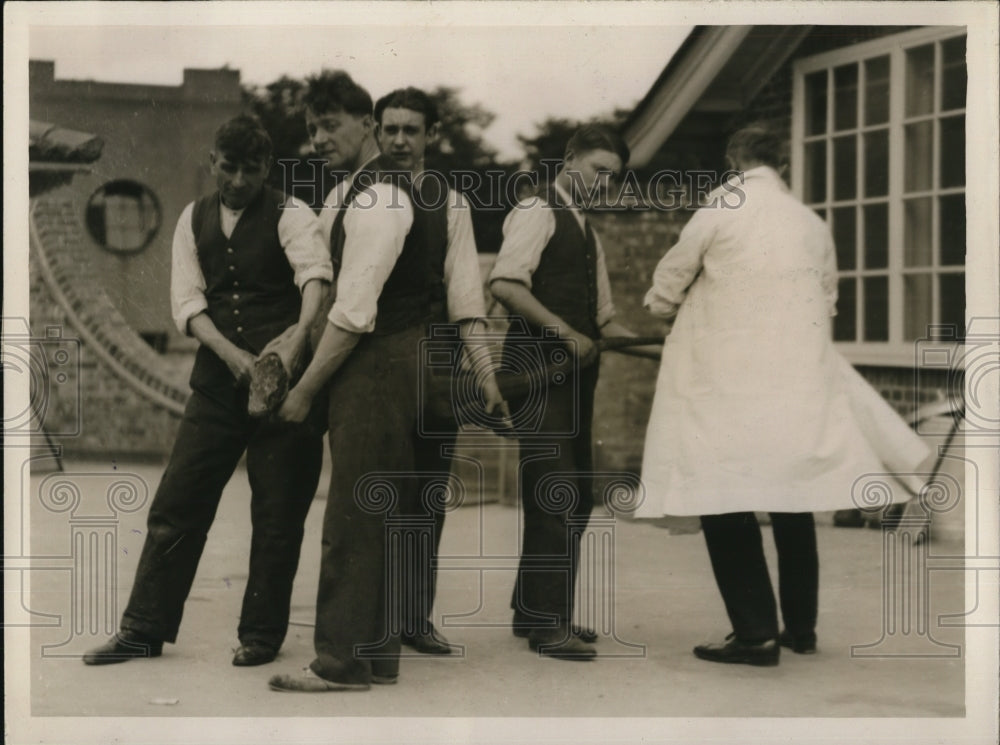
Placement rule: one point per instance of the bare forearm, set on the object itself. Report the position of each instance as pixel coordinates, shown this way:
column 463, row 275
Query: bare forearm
column 312, row 298
column 334, row 347
column 613, row 328
column 204, row 330
column 518, row 299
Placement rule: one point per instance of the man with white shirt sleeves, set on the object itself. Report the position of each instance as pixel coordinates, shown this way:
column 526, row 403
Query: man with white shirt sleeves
column 406, row 123
column 248, row 264
column 390, row 256
column 551, row 273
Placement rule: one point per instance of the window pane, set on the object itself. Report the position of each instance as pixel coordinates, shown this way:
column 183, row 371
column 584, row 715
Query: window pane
column 876, row 236
column 954, row 79
column 951, row 154
column 919, row 156
column 815, row 172
column 877, row 163
column 845, row 97
column 920, row 80
column 917, row 305
column 917, row 232
column 876, row 308
column 844, row 232
column 845, row 167
column 845, row 322
column 951, row 229
column 816, row 103
column 952, row 296
column 877, row 90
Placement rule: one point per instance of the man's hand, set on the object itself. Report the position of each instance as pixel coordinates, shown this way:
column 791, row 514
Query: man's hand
column 493, row 400
column 295, row 407
column 289, row 348
column 240, row 364
column 583, row 346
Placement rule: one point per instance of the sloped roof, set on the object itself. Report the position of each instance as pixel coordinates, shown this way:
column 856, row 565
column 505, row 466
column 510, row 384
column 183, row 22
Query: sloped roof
column 50, row 143
column 717, row 70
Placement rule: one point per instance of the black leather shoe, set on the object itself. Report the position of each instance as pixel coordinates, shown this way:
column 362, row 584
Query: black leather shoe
column 431, row 642
column 522, row 629
column 561, row 644
column 254, row 653
column 122, row 647
column 800, row 644
column 732, row 650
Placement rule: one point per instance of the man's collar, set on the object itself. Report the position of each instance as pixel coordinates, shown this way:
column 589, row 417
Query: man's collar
column 765, row 173
column 565, row 199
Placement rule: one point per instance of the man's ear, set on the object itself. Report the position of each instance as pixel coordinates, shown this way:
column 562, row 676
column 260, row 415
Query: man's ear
column 212, row 158
column 434, row 132
column 369, row 123
column 268, row 163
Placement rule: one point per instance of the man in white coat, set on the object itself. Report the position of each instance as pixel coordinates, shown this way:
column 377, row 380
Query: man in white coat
column 752, row 411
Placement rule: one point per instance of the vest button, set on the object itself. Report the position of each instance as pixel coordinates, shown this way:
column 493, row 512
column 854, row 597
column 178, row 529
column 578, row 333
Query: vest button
column 232, row 268
column 236, row 297
column 239, row 329
column 236, row 312
column 235, row 283
column 229, row 250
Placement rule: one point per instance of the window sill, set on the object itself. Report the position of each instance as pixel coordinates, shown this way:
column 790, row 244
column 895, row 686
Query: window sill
column 924, row 354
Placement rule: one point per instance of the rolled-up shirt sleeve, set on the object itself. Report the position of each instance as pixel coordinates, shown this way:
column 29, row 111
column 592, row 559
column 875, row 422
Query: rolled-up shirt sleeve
column 376, row 225
column 187, row 282
column 526, row 231
column 679, row 267
column 301, row 236
column 605, row 305
column 461, row 263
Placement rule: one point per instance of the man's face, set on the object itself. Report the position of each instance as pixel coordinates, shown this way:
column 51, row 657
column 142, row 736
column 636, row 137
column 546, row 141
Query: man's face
column 337, row 136
column 402, row 134
column 594, row 171
column 238, row 179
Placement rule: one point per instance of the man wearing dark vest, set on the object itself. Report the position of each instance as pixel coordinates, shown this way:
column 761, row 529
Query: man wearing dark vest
column 550, row 274
column 249, row 263
column 388, row 255
column 406, row 122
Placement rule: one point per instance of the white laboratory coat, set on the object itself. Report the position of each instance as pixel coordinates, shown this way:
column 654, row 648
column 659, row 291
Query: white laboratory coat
column 754, row 408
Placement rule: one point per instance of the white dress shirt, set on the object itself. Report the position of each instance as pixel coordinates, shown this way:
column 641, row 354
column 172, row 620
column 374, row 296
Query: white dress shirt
column 300, row 236
column 376, row 225
column 527, row 230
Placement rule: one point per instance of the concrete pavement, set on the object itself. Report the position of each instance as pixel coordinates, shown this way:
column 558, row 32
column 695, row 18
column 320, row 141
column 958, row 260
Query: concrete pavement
column 650, row 593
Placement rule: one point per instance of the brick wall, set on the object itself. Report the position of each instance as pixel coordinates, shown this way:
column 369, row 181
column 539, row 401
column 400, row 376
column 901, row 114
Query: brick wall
column 156, row 135
column 633, row 244
column 113, row 418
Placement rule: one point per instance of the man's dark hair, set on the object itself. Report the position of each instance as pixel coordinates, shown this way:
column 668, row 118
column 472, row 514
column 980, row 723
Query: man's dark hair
column 413, row 99
column 243, row 138
column 757, row 144
column 333, row 91
column 594, row 137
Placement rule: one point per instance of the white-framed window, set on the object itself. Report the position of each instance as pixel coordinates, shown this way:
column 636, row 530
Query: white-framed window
column 878, row 150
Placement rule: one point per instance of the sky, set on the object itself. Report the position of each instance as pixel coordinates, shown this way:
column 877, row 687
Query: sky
column 521, row 73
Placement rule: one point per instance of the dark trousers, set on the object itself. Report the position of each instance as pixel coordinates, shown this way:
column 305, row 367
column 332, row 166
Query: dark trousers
column 283, row 464
column 421, row 547
column 557, row 497
column 737, row 554
column 373, row 415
